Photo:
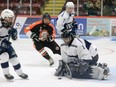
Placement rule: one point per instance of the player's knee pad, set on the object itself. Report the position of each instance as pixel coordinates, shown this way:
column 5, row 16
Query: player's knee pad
column 14, row 61
column 4, row 57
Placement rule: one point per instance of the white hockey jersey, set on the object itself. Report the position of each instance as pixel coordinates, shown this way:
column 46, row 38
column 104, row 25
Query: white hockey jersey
column 63, row 18
column 4, row 34
column 91, row 47
column 76, row 49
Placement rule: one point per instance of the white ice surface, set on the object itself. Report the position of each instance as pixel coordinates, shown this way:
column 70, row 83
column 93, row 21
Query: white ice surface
column 42, row 75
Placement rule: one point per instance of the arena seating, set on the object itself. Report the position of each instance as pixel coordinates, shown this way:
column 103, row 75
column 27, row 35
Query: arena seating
column 25, row 6
column 42, row 6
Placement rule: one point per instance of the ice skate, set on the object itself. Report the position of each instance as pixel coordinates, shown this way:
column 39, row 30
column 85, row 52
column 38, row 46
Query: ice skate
column 9, row 77
column 24, row 76
column 51, row 61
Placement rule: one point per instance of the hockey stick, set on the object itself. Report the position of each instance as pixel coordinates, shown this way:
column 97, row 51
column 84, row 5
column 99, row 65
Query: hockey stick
column 68, row 73
column 17, row 11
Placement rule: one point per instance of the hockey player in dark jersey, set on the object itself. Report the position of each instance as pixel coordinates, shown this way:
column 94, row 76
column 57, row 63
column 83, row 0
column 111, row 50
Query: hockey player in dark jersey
column 7, row 52
column 42, row 33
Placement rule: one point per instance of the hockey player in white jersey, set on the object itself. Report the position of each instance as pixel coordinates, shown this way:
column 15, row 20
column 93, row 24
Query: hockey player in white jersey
column 66, row 20
column 7, row 52
column 77, row 61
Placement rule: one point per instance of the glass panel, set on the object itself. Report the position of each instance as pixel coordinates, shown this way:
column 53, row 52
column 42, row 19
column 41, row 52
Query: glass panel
column 89, row 7
column 3, row 5
column 54, row 7
column 37, row 5
column 109, row 7
column 22, row 8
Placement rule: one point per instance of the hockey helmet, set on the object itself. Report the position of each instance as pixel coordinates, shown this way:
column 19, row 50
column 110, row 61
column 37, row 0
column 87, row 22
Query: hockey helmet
column 67, row 37
column 7, row 13
column 7, row 18
column 46, row 15
column 70, row 4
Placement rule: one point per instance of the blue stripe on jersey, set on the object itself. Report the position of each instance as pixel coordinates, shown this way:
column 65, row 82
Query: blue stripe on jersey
column 72, row 45
column 88, row 44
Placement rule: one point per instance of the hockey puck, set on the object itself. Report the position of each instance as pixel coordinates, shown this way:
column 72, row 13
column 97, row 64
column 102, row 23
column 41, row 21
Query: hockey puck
column 59, row 78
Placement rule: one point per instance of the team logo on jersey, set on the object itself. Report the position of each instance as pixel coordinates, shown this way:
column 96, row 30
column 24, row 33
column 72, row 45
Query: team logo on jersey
column 43, row 35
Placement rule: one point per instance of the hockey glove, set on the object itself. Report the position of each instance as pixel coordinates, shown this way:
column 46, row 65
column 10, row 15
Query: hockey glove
column 34, row 37
column 5, row 44
column 74, row 24
column 69, row 26
column 50, row 39
column 13, row 33
column 66, row 28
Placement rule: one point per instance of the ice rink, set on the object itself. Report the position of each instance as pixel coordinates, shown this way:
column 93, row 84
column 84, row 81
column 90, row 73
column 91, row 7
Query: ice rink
column 42, row 75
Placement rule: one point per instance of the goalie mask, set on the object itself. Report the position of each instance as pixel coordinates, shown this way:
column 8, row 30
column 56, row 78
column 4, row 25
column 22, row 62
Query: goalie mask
column 7, row 18
column 67, row 37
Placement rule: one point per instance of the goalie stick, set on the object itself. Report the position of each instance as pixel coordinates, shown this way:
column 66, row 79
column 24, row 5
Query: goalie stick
column 68, row 73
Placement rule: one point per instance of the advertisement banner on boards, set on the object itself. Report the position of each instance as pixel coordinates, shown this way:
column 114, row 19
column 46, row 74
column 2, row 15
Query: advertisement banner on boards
column 113, row 27
column 28, row 22
column 22, row 22
column 19, row 23
column 98, row 26
column 82, row 26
